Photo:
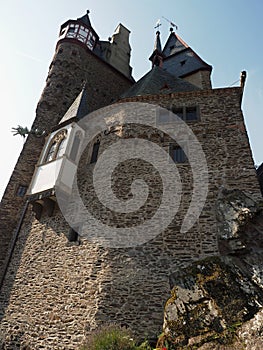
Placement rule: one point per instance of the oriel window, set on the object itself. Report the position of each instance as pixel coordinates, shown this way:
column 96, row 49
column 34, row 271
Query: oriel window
column 56, row 146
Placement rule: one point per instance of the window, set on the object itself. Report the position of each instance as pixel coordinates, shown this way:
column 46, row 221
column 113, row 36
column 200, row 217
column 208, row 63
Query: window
column 177, row 154
column 51, row 152
column 186, row 113
column 191, row 114
column 56, row 147
column 91, row 41
column 61, row 148
column 179, row 112
column 21, row 191
column 95, row 151
column 82, row 34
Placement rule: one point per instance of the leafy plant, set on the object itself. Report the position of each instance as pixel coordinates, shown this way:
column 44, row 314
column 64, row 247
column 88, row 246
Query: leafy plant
column 113, row 337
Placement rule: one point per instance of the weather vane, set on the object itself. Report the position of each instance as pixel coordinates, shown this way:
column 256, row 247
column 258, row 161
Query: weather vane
column 171, row 23
column 158, row 24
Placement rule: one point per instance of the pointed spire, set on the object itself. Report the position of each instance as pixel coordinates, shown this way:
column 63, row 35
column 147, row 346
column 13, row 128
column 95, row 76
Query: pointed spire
column 157, row 44
column 157, row 55
column 85, row 19
column 79, row 107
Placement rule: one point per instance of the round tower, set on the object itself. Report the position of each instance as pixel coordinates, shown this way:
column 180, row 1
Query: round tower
column 78, row 58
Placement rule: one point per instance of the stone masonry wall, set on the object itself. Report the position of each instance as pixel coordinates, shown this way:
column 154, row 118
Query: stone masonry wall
column 55, row 291
column 71, row 66
column 200, row 78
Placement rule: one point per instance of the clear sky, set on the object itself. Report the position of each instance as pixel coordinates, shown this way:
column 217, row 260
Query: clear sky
column 226, row 33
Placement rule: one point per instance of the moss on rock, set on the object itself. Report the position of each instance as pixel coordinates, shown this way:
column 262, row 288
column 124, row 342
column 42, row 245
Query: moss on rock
column 209, row 303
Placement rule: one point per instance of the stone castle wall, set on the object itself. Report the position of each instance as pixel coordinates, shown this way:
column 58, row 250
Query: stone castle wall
column 72, row 65
column 55, row 291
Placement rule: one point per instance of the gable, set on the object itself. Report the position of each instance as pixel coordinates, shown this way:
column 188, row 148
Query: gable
column 184, row 63
column 174, row 45
column 179, row 59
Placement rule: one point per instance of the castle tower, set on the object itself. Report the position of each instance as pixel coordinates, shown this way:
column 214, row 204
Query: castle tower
column 60, row 283
column 77, row 59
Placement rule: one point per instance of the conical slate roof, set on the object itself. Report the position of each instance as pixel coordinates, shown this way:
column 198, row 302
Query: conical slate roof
column 85, row 20
column 157, row 50
column 158, row 82
column 79, row 107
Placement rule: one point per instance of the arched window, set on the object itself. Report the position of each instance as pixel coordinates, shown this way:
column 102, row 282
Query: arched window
column 61, row 148
column 56, row 146
column 51, row 152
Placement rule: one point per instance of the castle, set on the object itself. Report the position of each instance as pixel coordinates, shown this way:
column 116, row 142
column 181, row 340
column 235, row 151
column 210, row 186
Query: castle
column 57, row 283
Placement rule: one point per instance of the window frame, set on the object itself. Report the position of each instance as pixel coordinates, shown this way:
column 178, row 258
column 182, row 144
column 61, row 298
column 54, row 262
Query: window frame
column 183, row 110
column 21, row 190
column 56, row 141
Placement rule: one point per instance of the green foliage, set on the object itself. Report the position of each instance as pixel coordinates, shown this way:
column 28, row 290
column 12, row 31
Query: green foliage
column 113, row 337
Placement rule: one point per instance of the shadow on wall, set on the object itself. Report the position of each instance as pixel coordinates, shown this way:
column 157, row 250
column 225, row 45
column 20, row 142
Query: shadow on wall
column 260, row 177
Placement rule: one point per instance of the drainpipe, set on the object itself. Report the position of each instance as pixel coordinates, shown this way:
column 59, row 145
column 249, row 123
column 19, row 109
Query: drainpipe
column 13, row 243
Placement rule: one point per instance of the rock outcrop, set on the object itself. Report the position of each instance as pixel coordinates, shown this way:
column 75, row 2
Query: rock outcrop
column 217, row 303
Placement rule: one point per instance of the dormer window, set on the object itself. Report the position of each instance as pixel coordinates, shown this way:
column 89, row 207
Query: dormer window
column 56, row 147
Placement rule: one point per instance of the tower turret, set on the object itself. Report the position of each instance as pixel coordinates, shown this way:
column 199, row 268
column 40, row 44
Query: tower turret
column 80, row 31
column 157, row 55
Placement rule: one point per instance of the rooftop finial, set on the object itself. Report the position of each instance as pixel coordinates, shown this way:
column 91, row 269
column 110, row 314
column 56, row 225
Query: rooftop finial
column 88, row 11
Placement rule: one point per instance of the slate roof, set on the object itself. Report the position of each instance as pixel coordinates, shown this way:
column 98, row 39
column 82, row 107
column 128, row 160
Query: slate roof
column 158, row 82
column 79, row 107
column 181, row 59
column 85, row 20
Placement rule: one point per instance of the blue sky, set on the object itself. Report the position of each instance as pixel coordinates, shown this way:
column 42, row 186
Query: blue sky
column 226, row 33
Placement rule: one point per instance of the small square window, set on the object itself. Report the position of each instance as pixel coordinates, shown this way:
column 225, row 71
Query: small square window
column 186, row 113
column 179, row 112
column 21, row 191
column 191, row 113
